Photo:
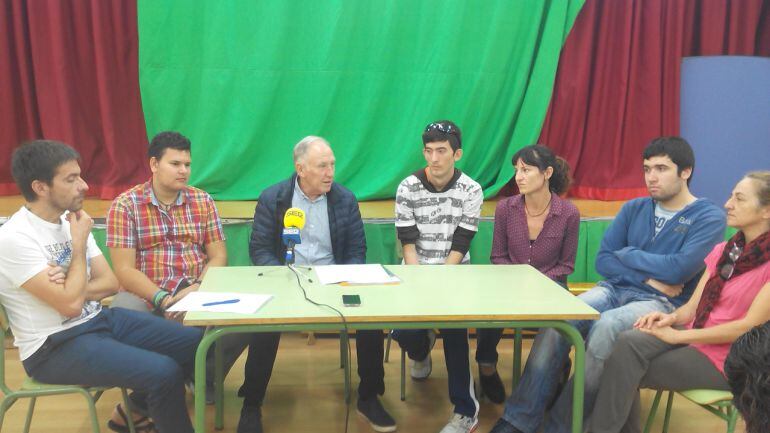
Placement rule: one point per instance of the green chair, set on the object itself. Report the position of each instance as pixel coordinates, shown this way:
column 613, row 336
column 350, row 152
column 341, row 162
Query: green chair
column 33, row 389
column 720, row 403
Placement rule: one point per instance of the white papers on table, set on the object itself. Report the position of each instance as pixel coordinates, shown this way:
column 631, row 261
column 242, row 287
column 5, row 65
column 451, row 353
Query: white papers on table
column 355, row 274
column 221, row 302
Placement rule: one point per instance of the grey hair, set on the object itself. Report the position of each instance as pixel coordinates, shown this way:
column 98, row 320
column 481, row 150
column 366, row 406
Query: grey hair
column 300, row 149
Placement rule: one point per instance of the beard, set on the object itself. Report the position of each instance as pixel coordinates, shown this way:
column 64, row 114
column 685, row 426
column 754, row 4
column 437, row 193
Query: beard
column 73, row 205
column 666, row 195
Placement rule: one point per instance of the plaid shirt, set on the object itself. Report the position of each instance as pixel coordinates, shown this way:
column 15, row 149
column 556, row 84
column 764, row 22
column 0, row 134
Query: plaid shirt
column 170, row 246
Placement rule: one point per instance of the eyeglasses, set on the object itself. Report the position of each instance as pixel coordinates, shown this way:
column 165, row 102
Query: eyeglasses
column 728, row 268
column 443, row 127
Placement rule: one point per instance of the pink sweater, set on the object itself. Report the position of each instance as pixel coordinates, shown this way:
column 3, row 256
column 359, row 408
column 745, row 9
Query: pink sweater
column 734, row 301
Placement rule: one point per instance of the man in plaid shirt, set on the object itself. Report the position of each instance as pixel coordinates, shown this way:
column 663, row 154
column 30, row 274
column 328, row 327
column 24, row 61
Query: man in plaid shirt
column 163, row 235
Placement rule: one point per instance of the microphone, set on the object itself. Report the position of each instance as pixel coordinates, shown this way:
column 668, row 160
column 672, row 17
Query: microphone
column 293, row 222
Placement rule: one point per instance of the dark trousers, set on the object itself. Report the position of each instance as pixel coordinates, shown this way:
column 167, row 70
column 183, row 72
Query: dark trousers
column 259, row 367
column 127, row 349
column 264, row 347
column 640, row 360
column 416, row 344
column 486, row 345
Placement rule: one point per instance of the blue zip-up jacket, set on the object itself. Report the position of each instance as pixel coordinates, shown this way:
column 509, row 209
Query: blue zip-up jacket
column 345, row 225
column 631, row 253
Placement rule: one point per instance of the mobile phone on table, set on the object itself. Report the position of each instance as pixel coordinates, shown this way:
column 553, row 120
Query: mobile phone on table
column 351, row 300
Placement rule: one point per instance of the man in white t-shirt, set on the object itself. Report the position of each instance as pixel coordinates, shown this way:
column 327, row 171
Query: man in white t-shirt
column 52, row 277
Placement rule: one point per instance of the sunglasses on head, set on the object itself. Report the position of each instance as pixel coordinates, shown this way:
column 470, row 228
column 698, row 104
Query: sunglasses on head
column 443, row 127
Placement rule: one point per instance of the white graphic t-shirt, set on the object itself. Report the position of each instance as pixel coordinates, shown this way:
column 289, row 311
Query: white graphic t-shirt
column 662, row 215
column 27, row 245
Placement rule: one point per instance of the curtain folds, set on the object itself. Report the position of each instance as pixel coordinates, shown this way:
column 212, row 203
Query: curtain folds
column 68, row 72
column 247, row 80
column 617, row 85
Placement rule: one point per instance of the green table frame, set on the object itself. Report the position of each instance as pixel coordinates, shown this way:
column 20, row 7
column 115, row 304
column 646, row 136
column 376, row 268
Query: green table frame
column 513, row 296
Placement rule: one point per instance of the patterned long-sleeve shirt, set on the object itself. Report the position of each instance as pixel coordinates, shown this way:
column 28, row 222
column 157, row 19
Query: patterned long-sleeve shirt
column 552, row 253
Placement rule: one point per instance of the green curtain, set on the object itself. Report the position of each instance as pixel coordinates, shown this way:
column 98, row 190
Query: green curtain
column 245, row 80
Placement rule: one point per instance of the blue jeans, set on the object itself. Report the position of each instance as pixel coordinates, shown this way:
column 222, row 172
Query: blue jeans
column 129, row 349
column 416, row 344
column 620, row 307
column 487, row 340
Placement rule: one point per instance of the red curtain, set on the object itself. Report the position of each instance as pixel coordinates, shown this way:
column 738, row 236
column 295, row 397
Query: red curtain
column 69, row 72
column 617, row 85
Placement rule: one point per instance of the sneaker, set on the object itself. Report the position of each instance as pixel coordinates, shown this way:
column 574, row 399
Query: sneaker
column 251, row 420
column 492, row 387
column 420, row 370
column 373, row 412
column 503, row 426
column 460, row 424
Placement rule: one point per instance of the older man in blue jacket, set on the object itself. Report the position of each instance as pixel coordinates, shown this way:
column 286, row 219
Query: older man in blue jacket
column 651, row 257
column 333, row 234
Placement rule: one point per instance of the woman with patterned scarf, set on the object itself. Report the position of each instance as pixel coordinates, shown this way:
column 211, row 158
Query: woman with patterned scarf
column 687, row 348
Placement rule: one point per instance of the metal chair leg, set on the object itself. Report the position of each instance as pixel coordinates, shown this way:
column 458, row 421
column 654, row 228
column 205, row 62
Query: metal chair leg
column 219, row 385
column 403, row 375
column 4, row 406
column 732, row 418
column 30, row 410
column 517, row 336
column 344, row 342
column 387, row 346
column 653, row 410
column 92, row 411
column 669, row 405
column 129, row 410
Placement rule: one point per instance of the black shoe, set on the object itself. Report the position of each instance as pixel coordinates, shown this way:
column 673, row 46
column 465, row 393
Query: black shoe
column 251, row 420
column 492, row 387
column 371, row 409
column 503, row 426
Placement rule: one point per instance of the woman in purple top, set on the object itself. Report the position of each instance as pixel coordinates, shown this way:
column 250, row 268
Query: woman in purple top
column 536, row 227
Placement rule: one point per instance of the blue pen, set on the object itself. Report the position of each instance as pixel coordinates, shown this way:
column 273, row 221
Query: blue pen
column 229, row 301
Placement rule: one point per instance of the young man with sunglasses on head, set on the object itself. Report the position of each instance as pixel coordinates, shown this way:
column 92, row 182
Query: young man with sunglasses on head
column 437, row 215
column 651, row 257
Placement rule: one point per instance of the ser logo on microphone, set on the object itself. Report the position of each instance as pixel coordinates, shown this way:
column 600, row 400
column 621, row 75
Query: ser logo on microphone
column 294, row 217
column 293, row 222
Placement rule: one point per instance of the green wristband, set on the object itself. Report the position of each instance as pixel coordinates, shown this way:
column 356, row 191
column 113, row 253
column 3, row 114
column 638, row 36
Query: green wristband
column 158, row 298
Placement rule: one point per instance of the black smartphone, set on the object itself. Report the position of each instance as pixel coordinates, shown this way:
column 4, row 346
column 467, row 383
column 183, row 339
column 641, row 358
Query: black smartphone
column 351, row 300
column 183, row 284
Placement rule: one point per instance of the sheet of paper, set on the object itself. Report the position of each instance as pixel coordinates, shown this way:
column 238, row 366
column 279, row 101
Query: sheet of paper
column 223, row 302
column 355, row 274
